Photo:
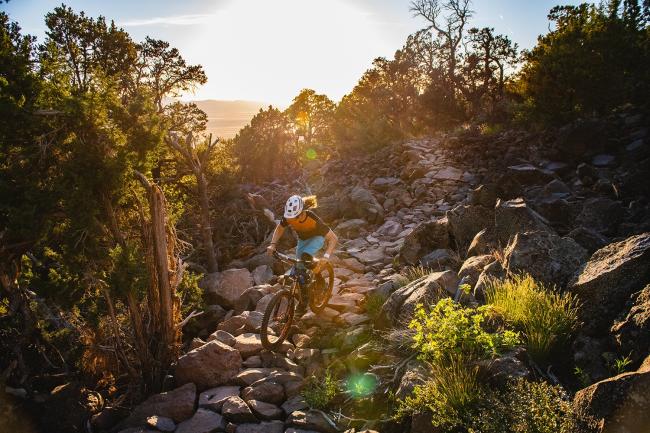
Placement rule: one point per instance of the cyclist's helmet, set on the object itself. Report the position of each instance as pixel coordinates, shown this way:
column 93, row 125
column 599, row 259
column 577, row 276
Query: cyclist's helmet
column 293, row 207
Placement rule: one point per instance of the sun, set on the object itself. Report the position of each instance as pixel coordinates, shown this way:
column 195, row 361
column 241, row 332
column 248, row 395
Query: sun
column 270, row 50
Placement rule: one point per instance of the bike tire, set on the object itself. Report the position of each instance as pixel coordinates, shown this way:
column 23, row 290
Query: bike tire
column 319, row 297
column 286, row 310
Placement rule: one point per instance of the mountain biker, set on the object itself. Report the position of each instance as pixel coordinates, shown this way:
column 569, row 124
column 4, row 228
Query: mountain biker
column 312, row 233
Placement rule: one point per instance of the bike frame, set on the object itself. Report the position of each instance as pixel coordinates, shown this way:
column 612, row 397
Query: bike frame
column 292, row 273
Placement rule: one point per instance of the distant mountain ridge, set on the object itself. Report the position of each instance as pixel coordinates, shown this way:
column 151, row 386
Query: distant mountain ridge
column 226, row 118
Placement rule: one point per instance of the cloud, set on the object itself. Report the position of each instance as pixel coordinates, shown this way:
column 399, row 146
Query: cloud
column 178, row 20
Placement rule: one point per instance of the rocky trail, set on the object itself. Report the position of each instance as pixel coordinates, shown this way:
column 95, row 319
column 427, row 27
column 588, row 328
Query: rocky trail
column 494, row 210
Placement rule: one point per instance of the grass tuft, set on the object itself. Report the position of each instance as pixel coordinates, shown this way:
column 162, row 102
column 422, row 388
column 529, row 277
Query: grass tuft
column 546, row 318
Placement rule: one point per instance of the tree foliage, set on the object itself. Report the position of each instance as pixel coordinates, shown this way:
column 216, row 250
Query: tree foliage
column 266, row 148
column 595, row 59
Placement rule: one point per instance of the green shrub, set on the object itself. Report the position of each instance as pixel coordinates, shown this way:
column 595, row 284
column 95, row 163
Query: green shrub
column 319, row 393
column 458, row 402
column 546, row 318
column 526, row 407
column 450, row 330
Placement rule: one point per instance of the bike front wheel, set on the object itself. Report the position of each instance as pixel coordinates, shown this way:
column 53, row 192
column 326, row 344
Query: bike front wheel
column 321, row 288
column 277, row 320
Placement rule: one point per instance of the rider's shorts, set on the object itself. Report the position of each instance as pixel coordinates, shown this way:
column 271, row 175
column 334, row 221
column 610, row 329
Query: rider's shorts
column 310, row 246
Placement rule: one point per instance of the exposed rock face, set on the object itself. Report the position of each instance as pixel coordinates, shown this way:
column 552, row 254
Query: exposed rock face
column 618, row 404
column 400, row 306
column 203, row 421
column 510, row 365
column 632, row 334
column 515, row 216
column 414, row 375
column 264, row 427
column 473, row 267
column 601, row 214
column 545, row 256
column 361, row 203
column 440, row 260
column 588, row 239
column 484, row 195
column 351, row 228
column 425, row 238
column 236, row 410
column 491, row 271
column 608, row 279
column 484, row 242
column 226, row 287
column 311, row 420
column 214, row 398
column 466, row 221
column 177, row 405
column 210, row 365
column 527, row 174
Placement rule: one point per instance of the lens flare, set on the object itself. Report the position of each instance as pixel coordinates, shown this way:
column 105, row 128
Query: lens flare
column 311, row 154
column 361, row 385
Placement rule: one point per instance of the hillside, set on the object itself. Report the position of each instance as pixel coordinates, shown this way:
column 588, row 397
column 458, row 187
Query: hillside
column 226, row 118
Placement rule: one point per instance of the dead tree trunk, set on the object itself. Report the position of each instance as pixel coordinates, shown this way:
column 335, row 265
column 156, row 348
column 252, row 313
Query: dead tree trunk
column 196, row 162
column 165, row 266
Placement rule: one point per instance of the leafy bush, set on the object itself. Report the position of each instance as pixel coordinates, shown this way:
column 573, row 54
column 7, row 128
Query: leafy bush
column 450, row 330
column 319, row 393
column 526, row 407
column 546, row 318
column 457, row 402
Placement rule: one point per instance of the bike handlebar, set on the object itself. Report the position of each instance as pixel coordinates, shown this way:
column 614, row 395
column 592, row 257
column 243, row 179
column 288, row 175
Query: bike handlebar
column 289, row 259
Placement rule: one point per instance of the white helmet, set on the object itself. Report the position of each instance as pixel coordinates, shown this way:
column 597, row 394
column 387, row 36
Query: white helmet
column 293, row 207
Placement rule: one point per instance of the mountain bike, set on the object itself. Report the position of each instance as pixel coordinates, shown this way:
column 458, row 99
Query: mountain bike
column 279, row 314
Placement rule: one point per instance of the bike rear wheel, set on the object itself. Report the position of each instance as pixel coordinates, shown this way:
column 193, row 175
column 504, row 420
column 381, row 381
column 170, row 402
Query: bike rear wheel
column 321, row 288
column 277, row 320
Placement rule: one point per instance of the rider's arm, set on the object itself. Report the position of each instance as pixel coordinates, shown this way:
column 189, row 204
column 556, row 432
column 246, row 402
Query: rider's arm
column 331, row 239
column 277, row 234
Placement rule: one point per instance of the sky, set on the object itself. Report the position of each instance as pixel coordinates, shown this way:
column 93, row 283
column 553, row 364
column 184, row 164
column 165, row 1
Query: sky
column 268, row 50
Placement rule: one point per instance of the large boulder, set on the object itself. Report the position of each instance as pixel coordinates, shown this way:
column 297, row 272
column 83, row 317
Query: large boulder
column 601, row 214
column 400, row 306
column 527, row 174
column 473, row 267
column 465, row 221
column 203, row 421
column 484, row 242
column 425, row 238
column 361, row 203
column 607, row 280
column 226, row 287
column 208, row 366
column 620, row 404
column 484, row 195
column 588, row 239
column 545, row 256
column 415, row 374
column 491, row 272
column 351, row 229
column 315, row 420
column 177, row 405
column 514, row 216
column 236, row 410
column 632, row 334
column 440, row 260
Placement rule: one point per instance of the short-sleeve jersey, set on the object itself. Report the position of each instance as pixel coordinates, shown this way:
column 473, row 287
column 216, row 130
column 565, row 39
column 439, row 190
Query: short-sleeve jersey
column 306, row 227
